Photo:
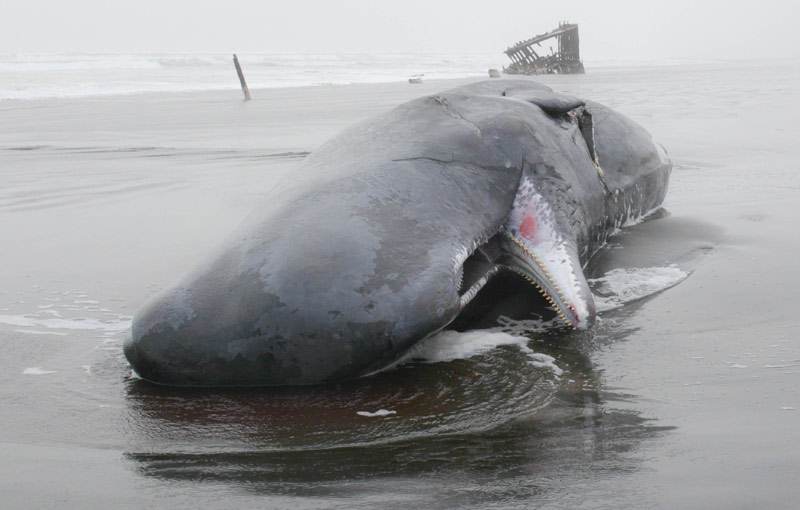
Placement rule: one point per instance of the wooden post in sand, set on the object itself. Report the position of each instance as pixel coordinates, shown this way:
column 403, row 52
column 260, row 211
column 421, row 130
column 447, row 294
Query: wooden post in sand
column 241, row 78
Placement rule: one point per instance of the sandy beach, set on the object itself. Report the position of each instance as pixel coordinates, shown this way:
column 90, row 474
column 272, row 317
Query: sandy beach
column 685, row 395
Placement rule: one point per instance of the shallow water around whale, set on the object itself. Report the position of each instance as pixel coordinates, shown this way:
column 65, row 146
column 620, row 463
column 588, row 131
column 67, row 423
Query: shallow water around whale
column 683, row 395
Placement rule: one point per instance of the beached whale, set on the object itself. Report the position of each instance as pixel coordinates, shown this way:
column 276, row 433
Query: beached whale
column 389, row 230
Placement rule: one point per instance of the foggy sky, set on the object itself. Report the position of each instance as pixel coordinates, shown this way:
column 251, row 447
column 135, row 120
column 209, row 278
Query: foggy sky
column 676, row 29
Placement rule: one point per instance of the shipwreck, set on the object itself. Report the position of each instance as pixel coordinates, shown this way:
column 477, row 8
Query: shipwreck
column 566, row 59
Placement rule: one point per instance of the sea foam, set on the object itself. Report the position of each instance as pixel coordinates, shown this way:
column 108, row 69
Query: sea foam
column 452, row 345
column 624, row 285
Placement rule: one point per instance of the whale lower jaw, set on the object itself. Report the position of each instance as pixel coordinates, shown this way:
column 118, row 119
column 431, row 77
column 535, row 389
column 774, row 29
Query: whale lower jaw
column 561, row 284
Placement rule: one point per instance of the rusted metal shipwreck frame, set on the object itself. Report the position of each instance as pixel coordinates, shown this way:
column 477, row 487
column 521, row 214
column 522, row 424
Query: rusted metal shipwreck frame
column 567, row 60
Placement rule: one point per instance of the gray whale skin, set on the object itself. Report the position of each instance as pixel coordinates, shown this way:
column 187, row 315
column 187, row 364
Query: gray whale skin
column 388, row 231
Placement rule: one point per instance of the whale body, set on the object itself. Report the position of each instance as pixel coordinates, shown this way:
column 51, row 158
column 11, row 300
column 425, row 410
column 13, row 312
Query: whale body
column 392, row 228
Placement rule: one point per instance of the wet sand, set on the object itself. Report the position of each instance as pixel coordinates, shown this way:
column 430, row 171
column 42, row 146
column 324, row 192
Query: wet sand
column 686, row 394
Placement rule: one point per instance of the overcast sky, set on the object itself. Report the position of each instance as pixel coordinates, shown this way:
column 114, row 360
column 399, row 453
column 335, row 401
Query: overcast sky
column 641, row 29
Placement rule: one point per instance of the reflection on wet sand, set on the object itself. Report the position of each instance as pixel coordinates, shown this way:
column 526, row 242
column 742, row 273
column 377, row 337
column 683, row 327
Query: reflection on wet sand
column 493, row 423
column 428, row 399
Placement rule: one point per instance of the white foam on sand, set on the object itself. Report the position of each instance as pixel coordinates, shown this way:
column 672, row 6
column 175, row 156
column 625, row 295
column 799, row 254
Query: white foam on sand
column 378, row 413
column 78, row 323
column 452, row 345
column 620, row 286
column 37, row 332
column 37, row 371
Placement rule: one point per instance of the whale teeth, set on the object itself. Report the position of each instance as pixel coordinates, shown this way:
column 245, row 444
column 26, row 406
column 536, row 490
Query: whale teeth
column 550, row 278
column 566, row 321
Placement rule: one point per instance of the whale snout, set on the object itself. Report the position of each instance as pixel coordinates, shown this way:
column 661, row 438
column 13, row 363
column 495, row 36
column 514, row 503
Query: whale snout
column 225, row 327
column 172, row 343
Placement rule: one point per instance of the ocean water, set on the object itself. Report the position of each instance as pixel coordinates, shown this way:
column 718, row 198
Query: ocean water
column 41, row 76
column 685, row 394
column 83, row 75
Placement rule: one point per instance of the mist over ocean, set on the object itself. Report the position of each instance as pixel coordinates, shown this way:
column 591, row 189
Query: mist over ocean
column 119, row 173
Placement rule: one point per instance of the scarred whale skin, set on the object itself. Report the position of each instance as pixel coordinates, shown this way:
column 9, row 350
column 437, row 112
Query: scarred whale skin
column 384, row 234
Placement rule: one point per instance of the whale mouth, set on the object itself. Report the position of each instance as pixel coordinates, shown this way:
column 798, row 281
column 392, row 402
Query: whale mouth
column 474, row 275
column 505, row 253
column 525, row 262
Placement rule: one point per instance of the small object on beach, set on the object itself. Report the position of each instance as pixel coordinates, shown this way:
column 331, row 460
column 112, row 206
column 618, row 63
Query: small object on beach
column 417, row 78
column 37, row 371
column 494, row 73
column 376, row 414
column 241, row 78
